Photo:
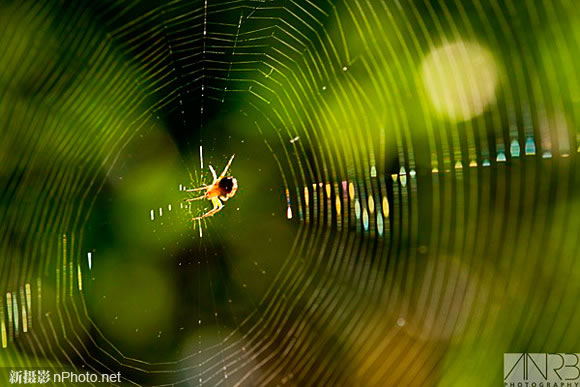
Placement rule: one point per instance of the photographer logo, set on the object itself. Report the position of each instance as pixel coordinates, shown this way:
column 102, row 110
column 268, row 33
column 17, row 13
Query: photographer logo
column 541, row 369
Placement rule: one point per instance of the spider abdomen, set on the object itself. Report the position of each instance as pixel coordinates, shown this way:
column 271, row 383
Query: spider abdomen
column 226, row 185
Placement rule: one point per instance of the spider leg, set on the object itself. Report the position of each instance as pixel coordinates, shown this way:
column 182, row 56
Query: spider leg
column 217, row 206
column 213, row 172
column 193, row 199
column 227, row 166
column 197, row 189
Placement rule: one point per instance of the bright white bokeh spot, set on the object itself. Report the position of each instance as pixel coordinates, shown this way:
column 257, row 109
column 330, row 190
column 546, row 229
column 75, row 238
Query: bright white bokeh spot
column 460, row 79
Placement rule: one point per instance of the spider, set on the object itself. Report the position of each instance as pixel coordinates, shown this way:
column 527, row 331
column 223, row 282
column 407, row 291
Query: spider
column 220, row 190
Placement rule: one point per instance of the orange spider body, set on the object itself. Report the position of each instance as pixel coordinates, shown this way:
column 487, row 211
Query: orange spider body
column 223, row 189
column 220, row 190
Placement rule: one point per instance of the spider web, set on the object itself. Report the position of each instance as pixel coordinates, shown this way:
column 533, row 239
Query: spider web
column 369, row 235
